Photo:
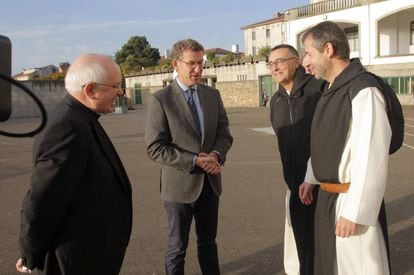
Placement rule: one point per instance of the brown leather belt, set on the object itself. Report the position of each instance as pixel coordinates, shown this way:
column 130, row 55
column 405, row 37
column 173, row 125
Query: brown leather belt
column 335, row 187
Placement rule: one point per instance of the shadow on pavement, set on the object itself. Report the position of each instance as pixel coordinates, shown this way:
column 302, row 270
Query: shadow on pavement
column 266, row 261
column 401, row 241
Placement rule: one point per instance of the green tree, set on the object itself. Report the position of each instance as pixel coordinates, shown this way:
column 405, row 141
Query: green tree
column 264, row 51
column 136, row 54
column 165, row 63
column 210, row 56
column 228, row 58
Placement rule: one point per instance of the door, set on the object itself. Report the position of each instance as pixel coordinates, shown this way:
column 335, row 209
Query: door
column 137, row 93
column 267, row 87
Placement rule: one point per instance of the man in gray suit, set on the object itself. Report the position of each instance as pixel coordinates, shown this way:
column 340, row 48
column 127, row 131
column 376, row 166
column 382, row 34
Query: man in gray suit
column 187, row 133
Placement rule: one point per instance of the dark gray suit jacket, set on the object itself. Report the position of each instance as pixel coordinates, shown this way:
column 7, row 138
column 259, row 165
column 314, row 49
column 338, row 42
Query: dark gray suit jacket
column 77, row 215
column 173, row 140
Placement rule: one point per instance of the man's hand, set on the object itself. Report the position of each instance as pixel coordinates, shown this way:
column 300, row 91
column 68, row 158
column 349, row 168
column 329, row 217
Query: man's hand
column 208, row 162
column 21, row 268
column 345, row 228
column 306, row 193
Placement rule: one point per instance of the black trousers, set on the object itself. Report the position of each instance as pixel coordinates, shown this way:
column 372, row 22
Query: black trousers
column 180, row 215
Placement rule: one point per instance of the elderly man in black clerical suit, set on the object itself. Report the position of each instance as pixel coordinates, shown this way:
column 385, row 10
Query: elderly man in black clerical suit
column 77, row 215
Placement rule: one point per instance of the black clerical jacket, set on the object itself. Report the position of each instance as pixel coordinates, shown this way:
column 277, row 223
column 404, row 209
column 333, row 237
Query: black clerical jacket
column 77, row 214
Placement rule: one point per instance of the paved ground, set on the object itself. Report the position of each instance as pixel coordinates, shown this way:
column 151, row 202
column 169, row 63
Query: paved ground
column 251, row 209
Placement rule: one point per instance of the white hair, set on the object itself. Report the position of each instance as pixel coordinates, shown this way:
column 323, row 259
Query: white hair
column 78, row 76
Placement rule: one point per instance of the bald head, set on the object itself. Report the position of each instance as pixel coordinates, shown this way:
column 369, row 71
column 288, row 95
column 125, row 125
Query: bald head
column 89, row 68
column 95, row 81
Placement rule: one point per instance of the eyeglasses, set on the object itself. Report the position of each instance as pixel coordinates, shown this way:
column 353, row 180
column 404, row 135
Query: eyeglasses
column 278, row 62
column 193, row 64
column 117, row 86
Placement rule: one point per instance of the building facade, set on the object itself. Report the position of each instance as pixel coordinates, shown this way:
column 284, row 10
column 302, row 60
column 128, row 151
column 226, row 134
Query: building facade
column 380, row 33
column 267, row 33
column 237, row 82
column 36, row 73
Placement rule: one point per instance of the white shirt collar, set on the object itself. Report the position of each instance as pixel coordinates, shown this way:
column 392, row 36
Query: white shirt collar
column 184, row 87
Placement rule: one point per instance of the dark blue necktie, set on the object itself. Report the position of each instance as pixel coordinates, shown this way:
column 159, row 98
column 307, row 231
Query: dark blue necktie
column 193, row 108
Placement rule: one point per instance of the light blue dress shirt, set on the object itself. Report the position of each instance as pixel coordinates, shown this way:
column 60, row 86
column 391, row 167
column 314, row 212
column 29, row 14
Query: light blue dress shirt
column 196, row 101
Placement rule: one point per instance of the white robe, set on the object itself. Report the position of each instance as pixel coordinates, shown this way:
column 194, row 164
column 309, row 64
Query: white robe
column 364, row 163
column 290, row 252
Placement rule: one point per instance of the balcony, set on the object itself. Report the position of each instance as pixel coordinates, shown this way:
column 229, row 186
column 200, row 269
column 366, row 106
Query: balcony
column 325, row 7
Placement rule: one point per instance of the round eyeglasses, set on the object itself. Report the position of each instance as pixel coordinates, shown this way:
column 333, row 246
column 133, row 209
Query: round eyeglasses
column 278, row 62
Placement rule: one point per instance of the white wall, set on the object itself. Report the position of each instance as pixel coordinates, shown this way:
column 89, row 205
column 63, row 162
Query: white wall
column 381, row 10
column 394, row 32
column 367, row 17
column 276, row 37
column 405, row 19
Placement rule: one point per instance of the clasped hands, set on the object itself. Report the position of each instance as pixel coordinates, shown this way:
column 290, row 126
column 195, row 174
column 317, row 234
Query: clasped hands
column 208, row 162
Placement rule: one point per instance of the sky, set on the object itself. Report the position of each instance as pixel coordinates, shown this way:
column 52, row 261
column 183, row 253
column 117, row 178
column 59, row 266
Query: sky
column 45, row 32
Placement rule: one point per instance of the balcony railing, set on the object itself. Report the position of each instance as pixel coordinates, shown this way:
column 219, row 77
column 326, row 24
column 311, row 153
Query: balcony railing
column 325, row 7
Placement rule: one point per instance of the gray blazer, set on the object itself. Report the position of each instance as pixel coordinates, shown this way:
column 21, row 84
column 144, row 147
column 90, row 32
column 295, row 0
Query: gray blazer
column 173, row 140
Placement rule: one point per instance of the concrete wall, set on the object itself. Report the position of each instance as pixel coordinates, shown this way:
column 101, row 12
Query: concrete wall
column 237, row 72
column 50, row 93
column 237, row 94
column 234, row 93
column 238, row 83
column 145, row 92
column 406, row 99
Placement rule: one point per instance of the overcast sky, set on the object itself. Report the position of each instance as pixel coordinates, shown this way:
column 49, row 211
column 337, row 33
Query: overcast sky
column 47, row 32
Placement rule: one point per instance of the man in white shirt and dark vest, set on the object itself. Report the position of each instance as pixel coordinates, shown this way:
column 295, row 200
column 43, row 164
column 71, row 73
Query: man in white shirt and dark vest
column 350, row 139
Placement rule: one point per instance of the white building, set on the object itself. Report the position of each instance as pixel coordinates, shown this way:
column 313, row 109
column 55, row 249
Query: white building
column 36, row 73
column 380, row 33
column 267, row 33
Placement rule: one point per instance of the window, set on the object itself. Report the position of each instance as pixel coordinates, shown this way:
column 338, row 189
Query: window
column 253, row 51
column 267, row 33
column 353, row 39
column 402, row 84
column 241, row 77
column 253, row 35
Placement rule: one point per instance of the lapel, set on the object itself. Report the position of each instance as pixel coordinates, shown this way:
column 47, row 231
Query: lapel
column 181, row 102
column 111, row 154
column 104, row 141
